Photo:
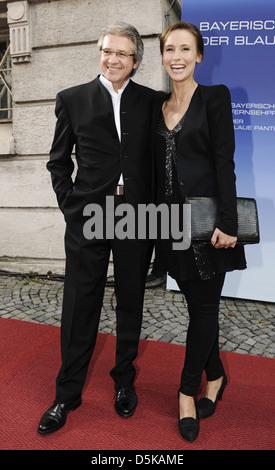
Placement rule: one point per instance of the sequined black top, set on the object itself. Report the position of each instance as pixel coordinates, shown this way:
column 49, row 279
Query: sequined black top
column 201, row 260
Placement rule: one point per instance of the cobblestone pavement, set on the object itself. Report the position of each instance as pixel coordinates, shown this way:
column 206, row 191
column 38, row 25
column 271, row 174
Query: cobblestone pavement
column 245, row 326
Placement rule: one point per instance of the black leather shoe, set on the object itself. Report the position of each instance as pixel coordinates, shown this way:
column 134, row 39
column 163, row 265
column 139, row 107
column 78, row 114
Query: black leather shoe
column 189, row 427
column 205, row 406
column 126, row 401
column 55, row 417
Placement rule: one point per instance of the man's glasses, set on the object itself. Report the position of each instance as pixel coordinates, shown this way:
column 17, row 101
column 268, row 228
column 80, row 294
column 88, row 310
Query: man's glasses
column 119, row 54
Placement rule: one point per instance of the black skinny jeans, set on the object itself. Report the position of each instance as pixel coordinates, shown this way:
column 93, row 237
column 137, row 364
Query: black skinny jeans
column 202, row 344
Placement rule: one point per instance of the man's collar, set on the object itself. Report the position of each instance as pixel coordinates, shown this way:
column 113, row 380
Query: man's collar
column 109, row 84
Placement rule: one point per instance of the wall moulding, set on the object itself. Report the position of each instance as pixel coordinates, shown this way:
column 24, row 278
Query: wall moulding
column 19, row 24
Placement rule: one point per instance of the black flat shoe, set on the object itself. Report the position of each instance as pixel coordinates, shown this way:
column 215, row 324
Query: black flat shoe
column 189, row 427
column 126, row 401
column 55, row 417
column 205, row 406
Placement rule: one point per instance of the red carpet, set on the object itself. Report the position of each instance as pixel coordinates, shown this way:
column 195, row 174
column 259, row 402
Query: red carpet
column 244, row 420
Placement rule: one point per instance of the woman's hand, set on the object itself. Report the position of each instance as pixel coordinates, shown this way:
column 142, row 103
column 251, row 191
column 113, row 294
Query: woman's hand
column 222, row 240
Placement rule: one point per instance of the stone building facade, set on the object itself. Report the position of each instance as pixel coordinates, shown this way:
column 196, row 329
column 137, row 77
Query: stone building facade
column 47, row 46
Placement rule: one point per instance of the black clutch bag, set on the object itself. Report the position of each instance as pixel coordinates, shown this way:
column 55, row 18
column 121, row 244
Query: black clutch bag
column 204, row 217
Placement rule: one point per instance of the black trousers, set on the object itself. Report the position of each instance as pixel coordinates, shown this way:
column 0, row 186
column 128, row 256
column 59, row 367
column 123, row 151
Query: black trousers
column 85, row 278
column 202, row 343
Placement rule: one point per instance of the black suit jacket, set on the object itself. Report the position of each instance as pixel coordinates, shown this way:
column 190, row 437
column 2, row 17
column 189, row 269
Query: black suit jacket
column 85, row 119
column 205, row 151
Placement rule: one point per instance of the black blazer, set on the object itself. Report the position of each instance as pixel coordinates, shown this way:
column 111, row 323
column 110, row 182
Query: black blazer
column 85, row 119
column 205, row 151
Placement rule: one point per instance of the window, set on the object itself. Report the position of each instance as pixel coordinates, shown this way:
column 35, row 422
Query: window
column 5, row 83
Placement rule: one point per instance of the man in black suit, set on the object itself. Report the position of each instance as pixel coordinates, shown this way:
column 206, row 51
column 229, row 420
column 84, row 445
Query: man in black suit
column 108, row 121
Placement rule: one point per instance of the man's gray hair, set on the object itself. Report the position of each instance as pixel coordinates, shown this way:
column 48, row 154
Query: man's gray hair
column 129, row 31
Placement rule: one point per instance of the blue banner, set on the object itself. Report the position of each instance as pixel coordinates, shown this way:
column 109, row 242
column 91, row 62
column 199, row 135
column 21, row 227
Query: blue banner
column 239, row 39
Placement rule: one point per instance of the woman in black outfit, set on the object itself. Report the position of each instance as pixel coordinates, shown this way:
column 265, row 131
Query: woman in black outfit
column 194, row 148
